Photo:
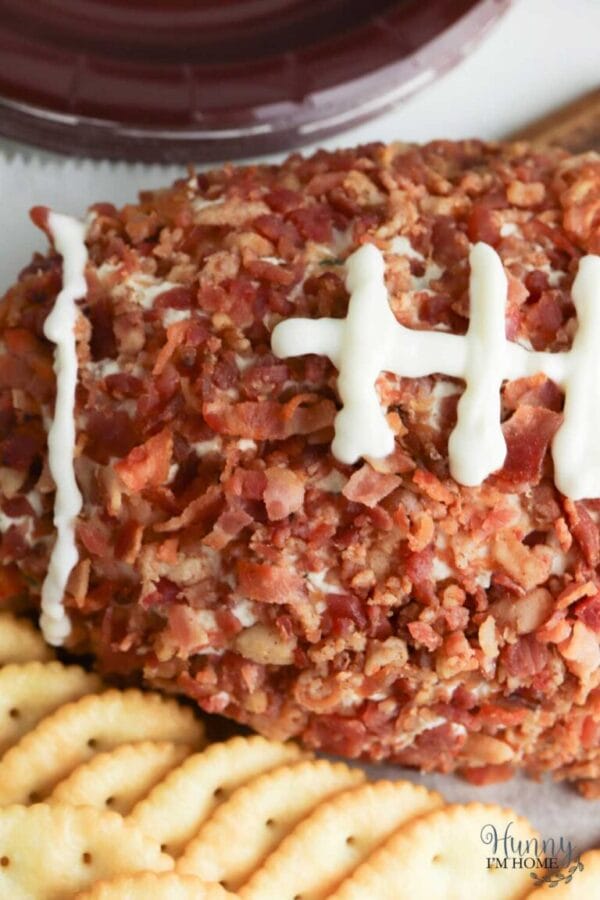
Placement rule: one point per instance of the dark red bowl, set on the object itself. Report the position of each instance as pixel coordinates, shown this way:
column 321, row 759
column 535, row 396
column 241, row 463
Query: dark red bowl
column 179, row 80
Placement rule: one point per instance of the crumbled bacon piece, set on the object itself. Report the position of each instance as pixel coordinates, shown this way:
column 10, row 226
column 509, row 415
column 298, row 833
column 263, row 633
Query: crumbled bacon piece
column 176, row 335
column 585, row 531
column 184, row 633
column 528, row 567
column 574, row 592
column 581, row 651
column 269, row 584
column 229, row 212
column 536, row 390
column 424, row 634
column 200, row 508
column 588, row 611
column 109, row 434
column 484, row 225
column 525, row 194
column 94, row 539
column 283, row 494
column 268, row 420
column 581, row 202
column 487, row 774
column 336, row 734
column 524, row 658
column 433, row 487
column 148, row 464
column 528, row 434
column 313, row 223
column 369, row 487
column 456, row 655
column 228, row 526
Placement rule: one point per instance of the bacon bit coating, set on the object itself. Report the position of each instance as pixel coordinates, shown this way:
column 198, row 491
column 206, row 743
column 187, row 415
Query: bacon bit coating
column 380, row 610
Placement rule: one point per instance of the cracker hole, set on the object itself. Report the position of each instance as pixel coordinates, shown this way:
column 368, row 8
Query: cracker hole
column 223, row 884
column 270, row 823
column 219, row 793
column 34, row 797
column 86, row 858
column 164, row 848
column 14, row 713
column 437, row 858
column 92, row 743
column 4, row 862
column 350, row 840
column 110, row 801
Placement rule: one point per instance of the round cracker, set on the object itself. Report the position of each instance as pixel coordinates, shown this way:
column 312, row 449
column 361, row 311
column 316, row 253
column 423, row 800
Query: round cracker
column 21, row 642
column 166, row 886
column 252, row 823
column 337, row 837
column 584, row 883
column 442, row 854
column 121, row 777
column 48, row 852
column 31, row 691
column 176, row 809
column 31, row 769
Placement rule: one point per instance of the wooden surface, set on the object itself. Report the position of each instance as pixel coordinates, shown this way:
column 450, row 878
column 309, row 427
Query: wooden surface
column 575, row 127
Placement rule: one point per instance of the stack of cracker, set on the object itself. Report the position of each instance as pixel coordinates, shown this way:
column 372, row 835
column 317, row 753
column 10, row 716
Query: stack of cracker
column 114, row 794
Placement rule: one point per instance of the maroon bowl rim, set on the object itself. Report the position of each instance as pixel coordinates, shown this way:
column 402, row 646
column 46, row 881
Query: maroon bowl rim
column 259, row 130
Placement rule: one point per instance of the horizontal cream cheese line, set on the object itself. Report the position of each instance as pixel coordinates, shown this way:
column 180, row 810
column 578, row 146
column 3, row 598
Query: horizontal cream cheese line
column 370, row 341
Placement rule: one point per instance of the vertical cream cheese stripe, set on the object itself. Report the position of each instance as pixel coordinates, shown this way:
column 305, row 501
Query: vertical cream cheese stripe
column 68, row 235
column 369, row 323
column 476, row 447
column 576, row 446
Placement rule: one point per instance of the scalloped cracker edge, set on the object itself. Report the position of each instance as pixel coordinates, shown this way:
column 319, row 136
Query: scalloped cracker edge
column 252, row 823
column 31, row 769
column 337, row 837
column 120, row 778
column 442, row 854
column 175, row 810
